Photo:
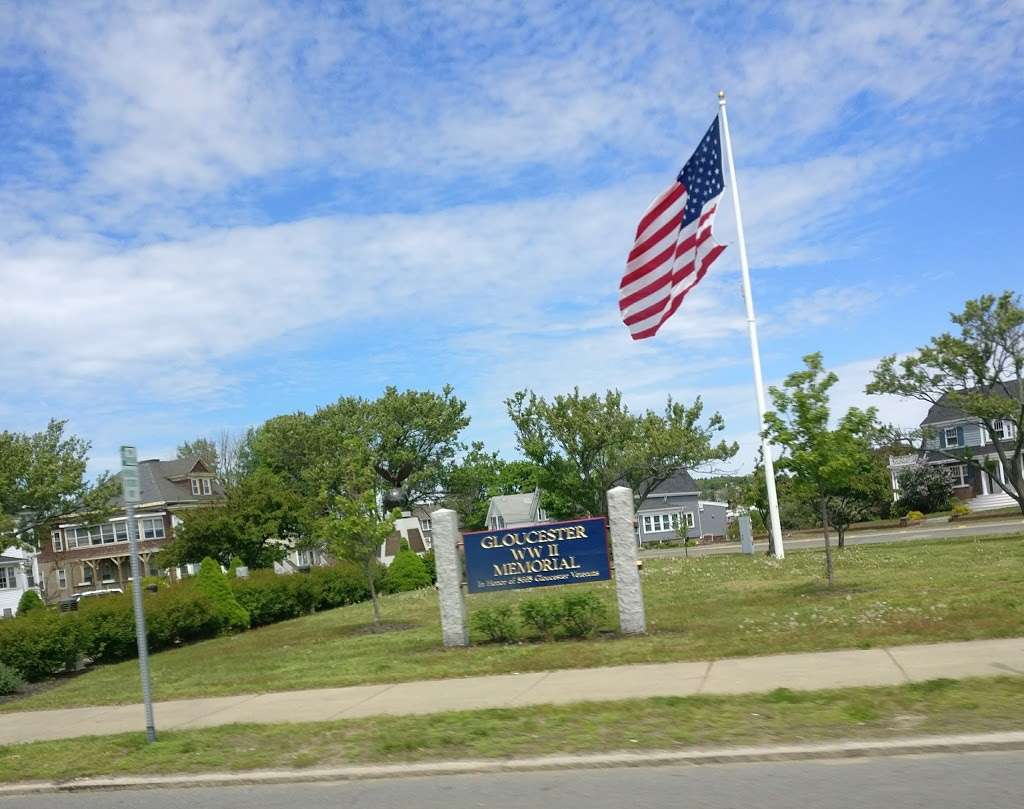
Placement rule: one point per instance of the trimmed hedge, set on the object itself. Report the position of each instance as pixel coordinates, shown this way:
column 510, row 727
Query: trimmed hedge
column 43, row 643
column 270, row 598
column 212, row 582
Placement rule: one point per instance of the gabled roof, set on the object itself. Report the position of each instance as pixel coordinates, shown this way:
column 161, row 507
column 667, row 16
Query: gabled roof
column 942, row 410
column 165, row 481
column 679, row 483
column 515, row 507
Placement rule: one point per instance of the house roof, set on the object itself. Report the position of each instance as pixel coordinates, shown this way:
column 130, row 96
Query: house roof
column 679, row 483
column 165, row 481
column 515, row 507
column 942, row 410
column 416, row 541
column 10, row 560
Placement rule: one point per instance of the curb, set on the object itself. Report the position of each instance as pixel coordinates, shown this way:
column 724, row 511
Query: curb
column 967, row 743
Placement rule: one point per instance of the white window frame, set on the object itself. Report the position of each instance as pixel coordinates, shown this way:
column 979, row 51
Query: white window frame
column 153, row 522
column 58, row 542
column 691, row 521
column 1007, row 429
column 955, row 442
column 195, row 486
column 62, row 578
column 959, row 474
column 207, row 487
column 88, row 571
column 8, row 578
column 426, row 524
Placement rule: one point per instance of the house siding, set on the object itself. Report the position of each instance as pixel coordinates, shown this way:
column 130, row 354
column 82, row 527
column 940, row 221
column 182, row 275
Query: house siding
column 709, row 519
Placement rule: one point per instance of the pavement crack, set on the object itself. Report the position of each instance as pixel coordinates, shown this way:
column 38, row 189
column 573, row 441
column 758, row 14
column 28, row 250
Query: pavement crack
column 704, row 679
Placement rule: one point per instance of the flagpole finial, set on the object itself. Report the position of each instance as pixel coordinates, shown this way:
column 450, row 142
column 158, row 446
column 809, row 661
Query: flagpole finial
column 721, row 96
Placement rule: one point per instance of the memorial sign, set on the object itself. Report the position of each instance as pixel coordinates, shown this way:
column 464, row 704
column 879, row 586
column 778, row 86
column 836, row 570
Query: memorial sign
column 570, row 552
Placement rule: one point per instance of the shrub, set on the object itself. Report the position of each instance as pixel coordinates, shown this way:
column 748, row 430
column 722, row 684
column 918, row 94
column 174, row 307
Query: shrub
column 499, row 623
column 338, row 585
column 108, row 628
column 406, row 572
column 269, row 598
column 924, row 488
column 41, row 643
column 430, row 563
column 914, row 516
column 235, row 563
column 543, row 614
column 959, row 510
column 584, row 613
column 212, row 582
column 29, row 601
column 181, row 614
column 10, row 682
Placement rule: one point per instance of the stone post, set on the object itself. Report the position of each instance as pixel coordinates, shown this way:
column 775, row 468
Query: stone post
column 627, row 575
column 445, row 523
column 746, row 535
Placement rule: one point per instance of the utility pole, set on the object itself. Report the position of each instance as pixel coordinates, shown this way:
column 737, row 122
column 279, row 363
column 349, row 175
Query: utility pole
column 132, row 494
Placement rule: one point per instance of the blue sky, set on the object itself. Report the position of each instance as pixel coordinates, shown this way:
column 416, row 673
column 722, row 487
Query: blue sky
column 214, row 213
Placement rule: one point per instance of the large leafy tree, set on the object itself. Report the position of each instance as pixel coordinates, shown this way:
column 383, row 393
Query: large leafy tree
column 42, row 475
column 258, row 517
column 411, row 438
column 584, row 445
column 979, row 371
column 827, row 463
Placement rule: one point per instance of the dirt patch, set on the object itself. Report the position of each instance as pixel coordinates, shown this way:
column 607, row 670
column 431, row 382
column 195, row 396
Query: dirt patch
column 31, row 689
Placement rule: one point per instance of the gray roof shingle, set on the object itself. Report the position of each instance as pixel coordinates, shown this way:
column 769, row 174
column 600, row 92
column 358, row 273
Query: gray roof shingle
column 942, row 410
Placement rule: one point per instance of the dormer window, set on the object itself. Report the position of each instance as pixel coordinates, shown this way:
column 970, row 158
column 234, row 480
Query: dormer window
column 1004, row 430
column 952, row 437
column 195, row 486
column 207, row 489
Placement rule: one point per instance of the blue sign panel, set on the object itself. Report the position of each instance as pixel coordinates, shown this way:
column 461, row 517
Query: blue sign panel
column 572, row 552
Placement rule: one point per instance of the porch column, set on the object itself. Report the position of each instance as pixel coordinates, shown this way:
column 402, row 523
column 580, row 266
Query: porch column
column 984, row 479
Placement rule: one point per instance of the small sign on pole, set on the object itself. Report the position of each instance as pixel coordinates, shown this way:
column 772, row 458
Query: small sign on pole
column 132, row 494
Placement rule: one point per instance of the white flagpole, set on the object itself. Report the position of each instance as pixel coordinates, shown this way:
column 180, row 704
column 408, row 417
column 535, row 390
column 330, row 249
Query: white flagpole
column 769, row 466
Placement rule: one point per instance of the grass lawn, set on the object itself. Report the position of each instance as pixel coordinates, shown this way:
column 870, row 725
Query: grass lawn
column 698, row 608
column 937, row 706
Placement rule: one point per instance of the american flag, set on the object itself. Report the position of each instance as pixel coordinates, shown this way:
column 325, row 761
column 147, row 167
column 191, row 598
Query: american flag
column 673, row 248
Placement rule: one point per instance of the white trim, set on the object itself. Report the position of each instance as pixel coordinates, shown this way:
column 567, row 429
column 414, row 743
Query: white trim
column 207, row 486
column 195, row 486
column 713, row 503
column 956, row 437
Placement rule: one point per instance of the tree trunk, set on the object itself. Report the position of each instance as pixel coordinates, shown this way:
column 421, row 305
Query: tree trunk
column 373, row 595
column 841, row 533
column 828, row 542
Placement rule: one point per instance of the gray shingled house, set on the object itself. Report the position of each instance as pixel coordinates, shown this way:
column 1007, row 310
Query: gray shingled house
column 677, row 502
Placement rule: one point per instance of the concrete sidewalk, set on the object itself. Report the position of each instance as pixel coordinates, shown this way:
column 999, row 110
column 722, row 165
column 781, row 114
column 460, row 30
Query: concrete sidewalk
column 810, row 671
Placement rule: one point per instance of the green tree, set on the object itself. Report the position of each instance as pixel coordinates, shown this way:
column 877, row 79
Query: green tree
column 347, row 517
column 411, row 437
column 406, row 572
column 259, row 519
column 584, row 445
column 203, row 448
column 825, row 462
column 980, row 372
column 42, row 476
column 212, row 582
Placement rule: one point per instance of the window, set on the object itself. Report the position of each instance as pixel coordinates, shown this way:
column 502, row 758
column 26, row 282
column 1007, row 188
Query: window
column 689, row 519
column 86, row 574
column 952, row 435
column 120, row 531
column 8, row 578
column 207, row 487
column 195, row 486
column 58, row 543
column 1004, row 430
column 62, row 578
column 959, row 474
column 426, row 524
column 303, row 558
column 497, row 523
column 107, row 533
column 153, row 528
column 655, row 523
column 108, row 572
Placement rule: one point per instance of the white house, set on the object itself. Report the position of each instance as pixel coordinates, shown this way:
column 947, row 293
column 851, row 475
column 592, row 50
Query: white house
column 515, row 510
column 18, row 573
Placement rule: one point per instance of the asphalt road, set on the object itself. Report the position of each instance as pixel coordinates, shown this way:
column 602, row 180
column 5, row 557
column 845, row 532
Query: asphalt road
column 940, row 529
column 972, row 780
